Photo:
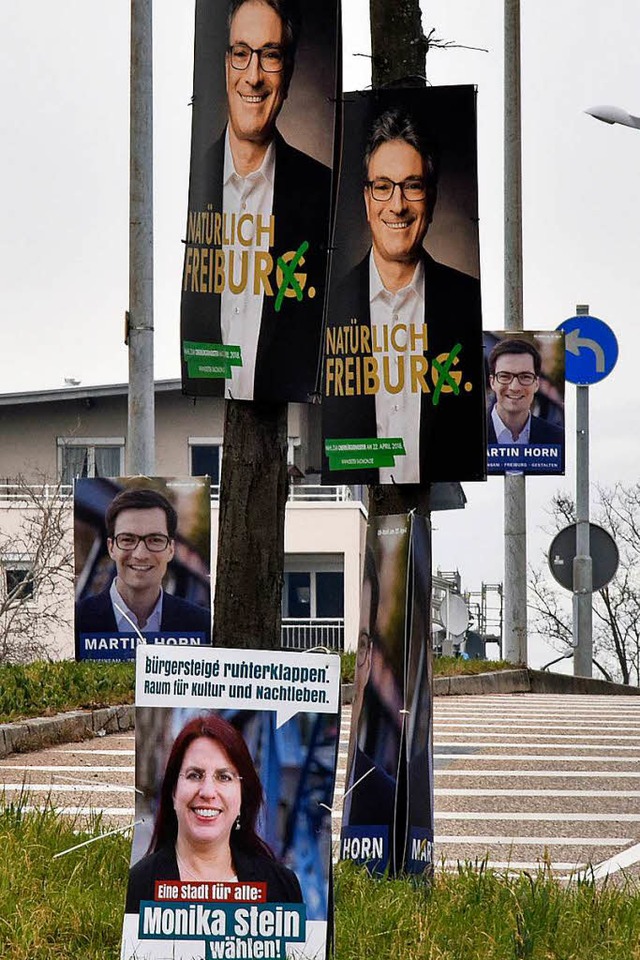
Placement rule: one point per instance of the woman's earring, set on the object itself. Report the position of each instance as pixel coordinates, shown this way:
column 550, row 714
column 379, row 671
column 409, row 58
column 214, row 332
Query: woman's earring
column 236, row 825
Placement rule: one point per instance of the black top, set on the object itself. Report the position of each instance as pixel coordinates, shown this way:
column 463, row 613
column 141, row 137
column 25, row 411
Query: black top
column 282, row 883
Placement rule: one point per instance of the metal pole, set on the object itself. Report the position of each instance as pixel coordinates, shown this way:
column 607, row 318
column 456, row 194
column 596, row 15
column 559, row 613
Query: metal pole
column 582, row 563
column 141, row 422
column 515, row 505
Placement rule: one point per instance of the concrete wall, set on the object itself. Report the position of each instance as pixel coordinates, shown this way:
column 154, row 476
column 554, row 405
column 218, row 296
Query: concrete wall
column 29, row 431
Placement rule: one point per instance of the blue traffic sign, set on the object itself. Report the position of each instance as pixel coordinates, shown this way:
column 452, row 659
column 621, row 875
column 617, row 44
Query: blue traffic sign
column 591, row 349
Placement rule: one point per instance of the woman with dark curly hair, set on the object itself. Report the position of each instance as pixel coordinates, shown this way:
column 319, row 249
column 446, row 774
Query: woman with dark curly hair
column 205, row 828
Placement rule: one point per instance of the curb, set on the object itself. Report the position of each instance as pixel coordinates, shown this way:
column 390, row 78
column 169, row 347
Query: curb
column 521, row 680
column 36, row 734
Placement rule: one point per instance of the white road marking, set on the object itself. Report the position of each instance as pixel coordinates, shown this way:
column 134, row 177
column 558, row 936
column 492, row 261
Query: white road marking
column 470, row 735
column 591, row 817
column 564, row 774
column 511, row 865
column 81, row 811
column 534, row 756
column 492, row 725
column 626, row 858
column 98, row 753
column 461, row 839
column 542, row 746
column 28, row 788
column 78, row 768
column 471, row 792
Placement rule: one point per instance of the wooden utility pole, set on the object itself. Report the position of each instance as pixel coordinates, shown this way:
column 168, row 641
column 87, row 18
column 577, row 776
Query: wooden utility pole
column 253, row 489
column 253, row 498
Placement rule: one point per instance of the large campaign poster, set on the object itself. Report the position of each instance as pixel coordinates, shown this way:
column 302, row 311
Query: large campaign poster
column 265, row 94
column 142, row 548
column 387, row 819
column 403, row 385
column 525, row 401
column 236, row 756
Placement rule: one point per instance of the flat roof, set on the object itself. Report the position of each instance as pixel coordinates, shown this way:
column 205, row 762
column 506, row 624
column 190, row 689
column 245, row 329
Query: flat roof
column 80, row 393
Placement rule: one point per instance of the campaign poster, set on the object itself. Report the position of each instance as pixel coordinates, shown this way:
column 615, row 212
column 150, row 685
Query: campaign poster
column 142, row 548
column 236, row 757
column 387, row 819
column 265, row 94
column 525, row 401
column 403, row 373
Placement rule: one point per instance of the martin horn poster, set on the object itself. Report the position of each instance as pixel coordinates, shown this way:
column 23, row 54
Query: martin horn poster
column 387, row 819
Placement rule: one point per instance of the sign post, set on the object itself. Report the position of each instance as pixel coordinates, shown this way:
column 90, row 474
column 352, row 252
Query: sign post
column 591, row 354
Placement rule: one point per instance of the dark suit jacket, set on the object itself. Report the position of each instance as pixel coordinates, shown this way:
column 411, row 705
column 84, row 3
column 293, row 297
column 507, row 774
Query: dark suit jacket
column 452, row 434
column 541, row 431
column 95, row 614
column 288, row 356
column 282, row 883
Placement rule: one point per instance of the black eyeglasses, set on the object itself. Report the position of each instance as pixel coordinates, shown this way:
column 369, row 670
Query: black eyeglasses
column 271, row 59
column 526, row 378
column 155, row 542
column 382, row 188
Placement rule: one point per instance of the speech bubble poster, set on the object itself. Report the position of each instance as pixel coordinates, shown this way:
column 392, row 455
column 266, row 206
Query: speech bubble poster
column 142, row 551
column 265, row 96
column 235, row 771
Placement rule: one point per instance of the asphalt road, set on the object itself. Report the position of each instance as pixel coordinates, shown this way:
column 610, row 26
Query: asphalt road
column 519, row 780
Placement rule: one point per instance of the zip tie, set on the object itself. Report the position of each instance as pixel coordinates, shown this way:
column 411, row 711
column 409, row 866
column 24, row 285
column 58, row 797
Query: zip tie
column 354, row 785
column 135, row 626
column 102, row 836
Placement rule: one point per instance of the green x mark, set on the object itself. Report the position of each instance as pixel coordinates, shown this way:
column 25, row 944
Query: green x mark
column 445, row 378
column 288, row 275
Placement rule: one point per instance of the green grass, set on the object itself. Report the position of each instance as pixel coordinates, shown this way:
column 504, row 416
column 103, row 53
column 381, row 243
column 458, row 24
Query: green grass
column 442, row 666
column 477, row 914
column 65, row 909
column 457, row 667
column 41, row 689
column 71, row 908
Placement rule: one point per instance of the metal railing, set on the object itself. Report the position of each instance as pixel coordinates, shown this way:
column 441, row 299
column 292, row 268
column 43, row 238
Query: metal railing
column 339, row 493
column 301, row 634
column 28, row 492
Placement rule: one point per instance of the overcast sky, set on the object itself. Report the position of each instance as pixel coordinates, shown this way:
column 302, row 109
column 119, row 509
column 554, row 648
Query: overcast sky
column 64, row 225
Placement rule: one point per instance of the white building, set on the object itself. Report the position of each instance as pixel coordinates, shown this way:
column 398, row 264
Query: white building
column 56, row 435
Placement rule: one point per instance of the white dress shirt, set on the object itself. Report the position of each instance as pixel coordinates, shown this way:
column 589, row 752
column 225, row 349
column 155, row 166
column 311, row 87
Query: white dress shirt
column 126, row 619
column 503, row 434
column 397, row 414
column 241, row 313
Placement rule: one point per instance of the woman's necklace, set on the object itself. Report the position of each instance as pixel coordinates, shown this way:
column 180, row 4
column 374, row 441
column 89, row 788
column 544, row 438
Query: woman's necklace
column 186, row 873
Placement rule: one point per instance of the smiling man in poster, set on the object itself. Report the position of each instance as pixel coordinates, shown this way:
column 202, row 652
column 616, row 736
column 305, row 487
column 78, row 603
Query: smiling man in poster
column 258, row 224
column 519, row 437
column 403, row 377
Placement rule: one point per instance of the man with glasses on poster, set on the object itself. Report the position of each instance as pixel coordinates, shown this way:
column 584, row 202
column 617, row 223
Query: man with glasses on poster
column 417, row 323
column 514, row 377
column 141, row 528
column 271, row 202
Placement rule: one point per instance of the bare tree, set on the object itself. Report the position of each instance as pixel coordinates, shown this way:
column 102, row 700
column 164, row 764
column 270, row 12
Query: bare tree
column 616, row 608
column 36, row 569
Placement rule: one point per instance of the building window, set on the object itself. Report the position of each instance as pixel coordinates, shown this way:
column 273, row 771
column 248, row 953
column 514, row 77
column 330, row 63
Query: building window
column 19, row 581
column 205, row 458
column 313, row 593
column 90, row 457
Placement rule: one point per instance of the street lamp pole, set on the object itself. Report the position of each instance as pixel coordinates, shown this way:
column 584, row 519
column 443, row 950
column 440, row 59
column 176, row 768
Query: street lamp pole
column 515, row 505
column 140, row 457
